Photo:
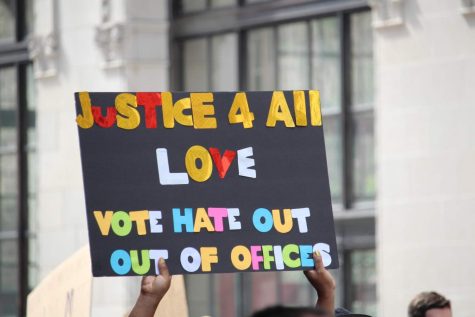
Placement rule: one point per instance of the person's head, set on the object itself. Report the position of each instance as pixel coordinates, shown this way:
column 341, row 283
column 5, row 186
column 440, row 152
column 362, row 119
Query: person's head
column 281, row 311
column 429, row 304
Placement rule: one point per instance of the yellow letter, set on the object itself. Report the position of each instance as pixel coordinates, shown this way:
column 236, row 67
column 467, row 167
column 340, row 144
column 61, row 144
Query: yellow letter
column 300, row 108
column 175, row 112
column 240, row 104
column 194, row 153
column 279, row 226
column 241, row 257
column 208, row 255
column 128, row 117
column 315, row 112
column 139, row 217
column 86, row 120
column 202, row 107
column 279, row 111
column 202, row 221
column 104, row 221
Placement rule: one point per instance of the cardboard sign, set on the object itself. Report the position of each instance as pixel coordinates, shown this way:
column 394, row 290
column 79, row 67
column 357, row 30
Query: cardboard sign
column 66, row 291
column 211, row 182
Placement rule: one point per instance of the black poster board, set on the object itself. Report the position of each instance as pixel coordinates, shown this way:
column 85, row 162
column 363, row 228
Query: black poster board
column 212, row 182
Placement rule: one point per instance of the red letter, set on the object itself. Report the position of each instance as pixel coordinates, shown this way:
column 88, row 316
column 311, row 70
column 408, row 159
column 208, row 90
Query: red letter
column 108, row 120
column 222, row 163
column 149, row 101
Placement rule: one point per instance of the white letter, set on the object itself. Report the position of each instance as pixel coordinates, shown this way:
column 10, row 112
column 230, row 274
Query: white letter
column 164, row 175
column 234, row 224
column 155, row 255
column 279, row 262
column 301, row 214
column 244, row 162
column 325, row 252
column 194, row 264
column 155, row 216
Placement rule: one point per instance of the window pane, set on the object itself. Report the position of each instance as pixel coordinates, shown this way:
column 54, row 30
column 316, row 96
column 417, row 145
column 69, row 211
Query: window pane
column 225, row 294
column 224, row 62
column 198, row 290
column 8, row 213
column 363, row 282
column 223, row 3
column 195, row 65
column 293, row 56
column 326, row 53
column 295, row 289
column 7, row 21
column 362, row 60
column 8, row 277
column 263, row 289
column 333, row 148
column 193, row 5
column 261, row 59
column 363, row 157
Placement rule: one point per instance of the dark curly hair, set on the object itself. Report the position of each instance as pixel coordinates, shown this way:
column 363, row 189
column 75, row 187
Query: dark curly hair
column 425, row 301
column 281, row 311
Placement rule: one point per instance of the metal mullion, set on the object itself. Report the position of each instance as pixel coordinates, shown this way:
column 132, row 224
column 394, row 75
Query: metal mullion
column 310, row 53
column 275, row 36
column 22, row 127
column 242, row 60
column 346, row 114
column 209, row 60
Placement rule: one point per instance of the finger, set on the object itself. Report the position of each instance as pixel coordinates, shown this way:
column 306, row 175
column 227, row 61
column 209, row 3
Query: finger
column 163, row 268
column 317, row 258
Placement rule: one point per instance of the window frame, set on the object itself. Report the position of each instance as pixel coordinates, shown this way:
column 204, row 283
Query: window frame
column 15, row 54
column 355, row 221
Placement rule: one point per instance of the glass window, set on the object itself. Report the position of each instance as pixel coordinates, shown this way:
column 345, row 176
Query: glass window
column 261, row 59
column 195, row 64
column 193, row 5
column 362, row 284
column 334, row 150
column 198, row 294
column 225, row 306
column 224, row 62
column 223, row 3
column 364, row 186
column 362, row 61
column 363, row 160
column 7, row 21
column 326, row 56
column 264, row 289
column 293, row 56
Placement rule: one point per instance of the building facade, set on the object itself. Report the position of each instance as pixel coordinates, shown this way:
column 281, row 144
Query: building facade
column 395, row 78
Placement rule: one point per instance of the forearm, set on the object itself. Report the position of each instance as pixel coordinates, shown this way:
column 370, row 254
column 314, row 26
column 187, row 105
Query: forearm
column 326, row 302
column 145, row 306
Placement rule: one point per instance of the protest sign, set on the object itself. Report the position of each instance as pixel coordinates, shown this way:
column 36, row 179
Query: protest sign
column 211, row 182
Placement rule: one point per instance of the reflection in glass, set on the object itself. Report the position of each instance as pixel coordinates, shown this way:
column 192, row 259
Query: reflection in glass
column 364, row 186
column 261, row 59
column 7, row 21
column 326, row 54
column 363, row 281
column 225, row 306
column 195, row 65
column 198, row 294
column 333, row 148
column 294, row 289
column 224, row 51
column 293, row 56
column 362, row 61
column 223, row 3
column 193, row 5
column 264, row 286
column 9, row 277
